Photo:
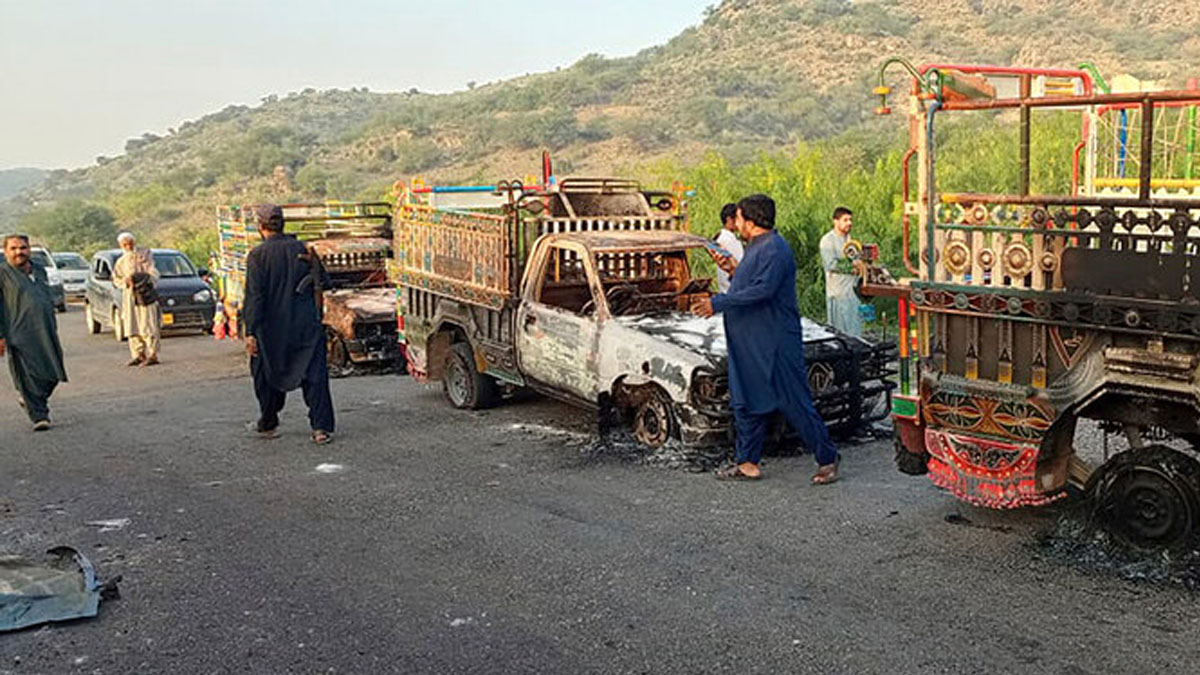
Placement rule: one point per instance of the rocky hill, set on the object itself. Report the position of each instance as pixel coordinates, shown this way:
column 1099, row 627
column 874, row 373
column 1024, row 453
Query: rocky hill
column 753, row 75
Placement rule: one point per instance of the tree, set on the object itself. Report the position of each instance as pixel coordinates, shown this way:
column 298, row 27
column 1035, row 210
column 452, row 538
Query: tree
column 72, row 225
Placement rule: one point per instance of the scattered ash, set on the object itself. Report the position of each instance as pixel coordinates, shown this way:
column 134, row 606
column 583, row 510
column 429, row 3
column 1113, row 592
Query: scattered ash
column 356, row 369
column 1076, row 540
column 619, row 444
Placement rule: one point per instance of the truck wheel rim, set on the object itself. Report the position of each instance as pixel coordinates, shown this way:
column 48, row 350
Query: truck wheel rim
column 1148, row 508
column 652, row 426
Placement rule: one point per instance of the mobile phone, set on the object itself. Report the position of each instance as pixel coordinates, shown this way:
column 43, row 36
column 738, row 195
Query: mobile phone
column 712, row 246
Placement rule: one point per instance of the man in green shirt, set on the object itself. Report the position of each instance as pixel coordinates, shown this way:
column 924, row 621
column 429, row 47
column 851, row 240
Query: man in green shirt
column 29, row 330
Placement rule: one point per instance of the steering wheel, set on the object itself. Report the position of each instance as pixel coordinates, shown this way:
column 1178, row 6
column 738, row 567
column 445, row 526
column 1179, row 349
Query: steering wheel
column 621, row 298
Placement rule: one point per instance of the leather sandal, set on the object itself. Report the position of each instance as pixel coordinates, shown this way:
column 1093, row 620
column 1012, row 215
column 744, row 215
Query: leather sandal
column 826, row 474
column 734, row 472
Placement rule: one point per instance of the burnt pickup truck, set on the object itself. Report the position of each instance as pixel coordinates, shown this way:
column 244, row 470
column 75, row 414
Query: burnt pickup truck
column 354, row 243
column 581, row 292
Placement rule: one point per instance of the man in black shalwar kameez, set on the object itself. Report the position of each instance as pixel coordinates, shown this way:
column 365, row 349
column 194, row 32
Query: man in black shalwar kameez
column 284, row 335
column 29, row 330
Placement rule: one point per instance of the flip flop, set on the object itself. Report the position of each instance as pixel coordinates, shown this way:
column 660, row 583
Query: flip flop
column 734, row 472
column 269, row 434
column 826, row 475
column 322, row 437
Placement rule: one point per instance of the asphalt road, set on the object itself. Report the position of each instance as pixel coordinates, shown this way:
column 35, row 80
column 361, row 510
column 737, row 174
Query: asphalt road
column 450, row 542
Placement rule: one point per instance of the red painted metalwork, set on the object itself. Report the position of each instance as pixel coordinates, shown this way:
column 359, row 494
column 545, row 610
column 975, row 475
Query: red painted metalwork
column 984, row 472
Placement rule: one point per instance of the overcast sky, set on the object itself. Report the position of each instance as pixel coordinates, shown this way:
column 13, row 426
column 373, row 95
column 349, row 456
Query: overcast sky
column 79, row 77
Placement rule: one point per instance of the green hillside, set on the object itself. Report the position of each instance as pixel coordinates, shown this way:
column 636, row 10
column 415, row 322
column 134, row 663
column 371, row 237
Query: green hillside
column 752, row 76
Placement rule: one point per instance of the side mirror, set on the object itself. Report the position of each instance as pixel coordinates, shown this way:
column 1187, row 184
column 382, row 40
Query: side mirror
column 101, row 276
column 203, row 272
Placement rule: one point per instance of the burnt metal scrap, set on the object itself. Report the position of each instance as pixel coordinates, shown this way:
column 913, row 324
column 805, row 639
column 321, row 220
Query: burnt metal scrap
column 62, row 588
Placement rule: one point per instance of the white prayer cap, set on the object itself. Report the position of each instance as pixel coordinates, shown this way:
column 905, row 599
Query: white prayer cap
column 121, row 238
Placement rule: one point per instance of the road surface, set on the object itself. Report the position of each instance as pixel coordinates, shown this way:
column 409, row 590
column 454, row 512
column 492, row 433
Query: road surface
column 427, row 540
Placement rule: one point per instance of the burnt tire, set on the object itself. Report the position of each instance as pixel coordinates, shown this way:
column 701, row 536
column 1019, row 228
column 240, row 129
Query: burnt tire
column 654, row 419
column 335, row 349
column 465, row 386
column 908, row 462
column 1148, row 498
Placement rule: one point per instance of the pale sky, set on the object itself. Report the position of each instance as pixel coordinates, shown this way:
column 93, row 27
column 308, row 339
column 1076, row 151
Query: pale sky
column 79, row 77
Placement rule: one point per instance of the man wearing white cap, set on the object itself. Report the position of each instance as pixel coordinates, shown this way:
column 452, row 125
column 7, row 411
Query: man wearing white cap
column 137, row 277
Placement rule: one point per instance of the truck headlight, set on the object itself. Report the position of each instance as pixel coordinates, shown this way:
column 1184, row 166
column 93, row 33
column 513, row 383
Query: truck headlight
column 710, row 388
column 203, row 296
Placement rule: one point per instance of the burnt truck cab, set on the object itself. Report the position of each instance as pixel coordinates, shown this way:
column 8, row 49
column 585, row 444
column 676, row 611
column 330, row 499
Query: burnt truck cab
column 598, row 315
column 605, row 317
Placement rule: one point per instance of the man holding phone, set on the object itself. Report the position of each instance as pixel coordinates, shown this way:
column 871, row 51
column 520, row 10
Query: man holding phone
column 728, row 242
column 767, row 370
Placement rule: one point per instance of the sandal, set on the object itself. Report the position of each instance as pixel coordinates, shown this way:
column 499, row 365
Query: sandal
column 826, row 474
column 734, row 472
column 321, row 437
column 265, row 434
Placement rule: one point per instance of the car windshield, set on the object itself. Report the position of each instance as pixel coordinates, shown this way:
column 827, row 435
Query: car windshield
column 41, row 257
column 70, row 261
column 173, row 265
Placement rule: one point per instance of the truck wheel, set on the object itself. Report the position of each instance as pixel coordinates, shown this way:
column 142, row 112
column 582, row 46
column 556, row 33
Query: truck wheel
column 336, row 354
column 117, row 326
column 89, row 319
column 1148, row 498
column 908, row 462
column 466, row 387
column 654, row 420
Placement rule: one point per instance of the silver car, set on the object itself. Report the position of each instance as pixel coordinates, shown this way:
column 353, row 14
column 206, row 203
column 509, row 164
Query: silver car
column 73, row 270
column 42, row 257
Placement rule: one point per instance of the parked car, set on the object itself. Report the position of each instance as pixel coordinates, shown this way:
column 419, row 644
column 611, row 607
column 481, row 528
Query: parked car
column 73, row 269
column 42, row 257
column 187, row 302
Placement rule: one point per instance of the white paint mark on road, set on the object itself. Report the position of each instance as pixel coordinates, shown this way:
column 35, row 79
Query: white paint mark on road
column 455, row 623
column 330, row 468
column 110, row 525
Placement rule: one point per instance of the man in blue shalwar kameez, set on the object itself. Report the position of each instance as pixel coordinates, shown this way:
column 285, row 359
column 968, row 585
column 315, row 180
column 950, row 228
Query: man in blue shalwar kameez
column 767, row 372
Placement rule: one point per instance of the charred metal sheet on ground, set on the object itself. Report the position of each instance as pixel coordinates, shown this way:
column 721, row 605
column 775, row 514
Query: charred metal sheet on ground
column 62, row 588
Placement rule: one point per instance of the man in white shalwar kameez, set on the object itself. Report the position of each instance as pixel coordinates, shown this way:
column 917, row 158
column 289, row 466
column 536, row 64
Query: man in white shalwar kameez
column 142, row 323
column 841, row 302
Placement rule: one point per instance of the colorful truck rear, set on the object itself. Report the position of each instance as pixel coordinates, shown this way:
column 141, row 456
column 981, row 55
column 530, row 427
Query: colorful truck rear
column 1035, row 309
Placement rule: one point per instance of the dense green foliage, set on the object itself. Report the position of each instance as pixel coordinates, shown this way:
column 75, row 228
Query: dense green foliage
column 72, row 225
column 863, row 173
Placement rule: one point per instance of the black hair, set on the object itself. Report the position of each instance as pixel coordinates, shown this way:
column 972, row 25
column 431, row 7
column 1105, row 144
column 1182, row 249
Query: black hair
column 759, row 209
column 10, row 237
column 728, row 211
column 841, row 211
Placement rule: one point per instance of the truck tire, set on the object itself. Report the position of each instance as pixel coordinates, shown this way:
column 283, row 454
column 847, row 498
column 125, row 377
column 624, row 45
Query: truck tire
column 1148, row 498
column 89, row 320
column 465, row 386
column 654, row 419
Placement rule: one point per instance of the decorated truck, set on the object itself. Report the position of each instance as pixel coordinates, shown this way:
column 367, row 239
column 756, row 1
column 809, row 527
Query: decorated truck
column 580, row 289
column 354, row 243
column 1035, row 311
